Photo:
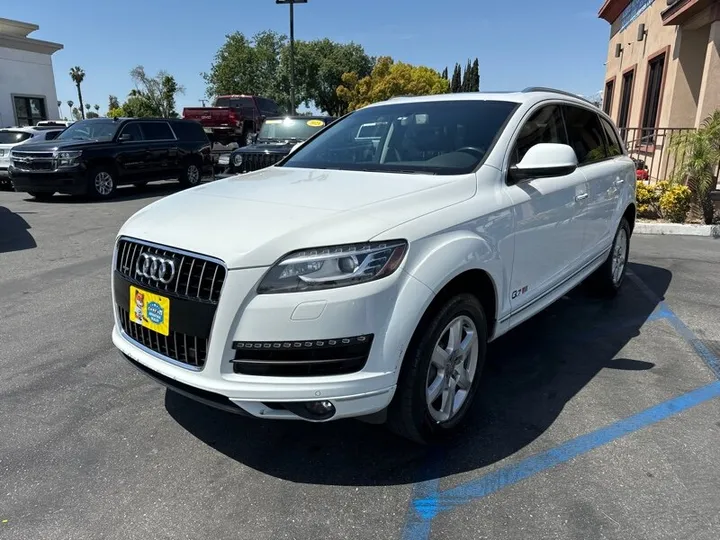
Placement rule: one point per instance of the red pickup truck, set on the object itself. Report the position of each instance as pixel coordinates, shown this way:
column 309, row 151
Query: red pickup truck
column 234, row 118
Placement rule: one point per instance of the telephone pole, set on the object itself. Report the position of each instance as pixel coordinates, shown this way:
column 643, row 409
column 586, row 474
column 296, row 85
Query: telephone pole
column 292, row 48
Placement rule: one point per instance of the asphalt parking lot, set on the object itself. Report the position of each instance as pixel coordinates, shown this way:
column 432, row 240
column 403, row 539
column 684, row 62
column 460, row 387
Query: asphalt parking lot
column 597, row 419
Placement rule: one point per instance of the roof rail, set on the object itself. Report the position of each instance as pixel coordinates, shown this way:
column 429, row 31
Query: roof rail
column 555, row 91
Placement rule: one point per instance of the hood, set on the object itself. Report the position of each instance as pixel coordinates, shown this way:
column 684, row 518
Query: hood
column 256, row 218
column 51, row 146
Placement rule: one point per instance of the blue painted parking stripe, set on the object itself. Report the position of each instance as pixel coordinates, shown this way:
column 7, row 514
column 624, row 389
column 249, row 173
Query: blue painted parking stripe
column 664, row 311
column 427, row 508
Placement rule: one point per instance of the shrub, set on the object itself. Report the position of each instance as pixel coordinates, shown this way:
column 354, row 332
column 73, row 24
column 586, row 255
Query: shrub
column 648, row 201
column 675, row 203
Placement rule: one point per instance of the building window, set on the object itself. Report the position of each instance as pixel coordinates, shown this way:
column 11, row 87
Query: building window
column 633, row 11
column 29, row 110
column 653, row 91
column 608, row 96
column 626, row 91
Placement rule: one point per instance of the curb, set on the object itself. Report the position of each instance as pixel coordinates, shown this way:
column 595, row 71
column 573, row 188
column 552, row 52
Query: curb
column 677, row 229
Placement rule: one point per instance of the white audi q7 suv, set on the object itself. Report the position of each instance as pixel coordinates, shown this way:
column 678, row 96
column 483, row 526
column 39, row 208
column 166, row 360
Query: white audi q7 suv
column 363, row 277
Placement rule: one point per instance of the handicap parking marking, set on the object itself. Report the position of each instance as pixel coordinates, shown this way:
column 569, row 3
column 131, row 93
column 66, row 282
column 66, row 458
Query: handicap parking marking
column 428, row 500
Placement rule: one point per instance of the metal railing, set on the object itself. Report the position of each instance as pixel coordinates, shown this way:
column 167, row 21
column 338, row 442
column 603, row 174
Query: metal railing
column 650, row 147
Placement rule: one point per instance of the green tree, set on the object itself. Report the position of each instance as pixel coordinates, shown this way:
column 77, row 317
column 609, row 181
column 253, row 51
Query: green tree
column 70, row 104
column 152, row 95
column 88, row 106
column 77, row 115
column 117, row 112
column 466, row 85
column 78, row 76
column 319, row 68
column 389, row 79
column 698, row 155
column 113, row 103
column 455, row 84
column 93, row 114
column 248, row 66
column 475, row 76
column 445, row 74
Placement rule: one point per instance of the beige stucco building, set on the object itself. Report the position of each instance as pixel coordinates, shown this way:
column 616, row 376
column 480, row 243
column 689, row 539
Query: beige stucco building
column 663, row 63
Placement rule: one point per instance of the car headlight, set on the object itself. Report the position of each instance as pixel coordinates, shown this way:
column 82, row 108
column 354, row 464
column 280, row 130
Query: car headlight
column 237, row 160
column 67, row 158
column 332, row 267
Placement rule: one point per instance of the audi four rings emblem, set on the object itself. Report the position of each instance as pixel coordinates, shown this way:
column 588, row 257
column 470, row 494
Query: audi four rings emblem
column 156, row 268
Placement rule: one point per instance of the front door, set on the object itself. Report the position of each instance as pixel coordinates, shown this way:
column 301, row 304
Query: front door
column 131, row 154
column 548, row 238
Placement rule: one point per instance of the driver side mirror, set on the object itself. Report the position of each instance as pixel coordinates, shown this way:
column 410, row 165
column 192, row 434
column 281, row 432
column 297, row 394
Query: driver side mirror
column 125, row 137
column 545, row 160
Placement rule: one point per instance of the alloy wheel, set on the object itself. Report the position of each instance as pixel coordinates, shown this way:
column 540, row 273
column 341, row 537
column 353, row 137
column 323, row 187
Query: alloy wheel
column 104, row 183
column 619, row 256
column 452, row 369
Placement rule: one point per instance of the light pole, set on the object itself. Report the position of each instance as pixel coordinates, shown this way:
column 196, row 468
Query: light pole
column 292, row 48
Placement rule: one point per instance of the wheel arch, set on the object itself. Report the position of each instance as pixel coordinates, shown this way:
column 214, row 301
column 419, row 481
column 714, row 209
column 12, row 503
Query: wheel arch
column 630, row 215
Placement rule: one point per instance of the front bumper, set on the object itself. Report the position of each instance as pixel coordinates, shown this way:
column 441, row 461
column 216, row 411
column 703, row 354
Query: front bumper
column 380, row 308
column 72, row 182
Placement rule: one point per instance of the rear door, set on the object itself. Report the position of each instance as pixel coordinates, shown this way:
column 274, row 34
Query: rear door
column 162, row 148
column 548, row 236
column 131, row 154
column 598, row 162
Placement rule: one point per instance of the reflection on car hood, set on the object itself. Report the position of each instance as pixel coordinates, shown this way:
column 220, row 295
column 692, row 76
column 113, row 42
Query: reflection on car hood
column 282, row 147
column 50, row 146
column 253, row 219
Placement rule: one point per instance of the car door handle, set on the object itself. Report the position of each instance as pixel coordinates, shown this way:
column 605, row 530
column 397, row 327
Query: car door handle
column 581, row 196
column 619, row 181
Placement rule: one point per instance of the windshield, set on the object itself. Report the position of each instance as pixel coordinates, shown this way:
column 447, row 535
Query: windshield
column 14, row 137
column 436, row 137
column 90, row 130
column 277, row 129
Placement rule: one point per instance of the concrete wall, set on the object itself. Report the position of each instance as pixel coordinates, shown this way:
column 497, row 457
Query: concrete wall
column 26, row 73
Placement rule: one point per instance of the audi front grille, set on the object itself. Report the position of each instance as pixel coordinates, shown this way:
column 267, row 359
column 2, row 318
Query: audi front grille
column 195, row 278
column 194, row 292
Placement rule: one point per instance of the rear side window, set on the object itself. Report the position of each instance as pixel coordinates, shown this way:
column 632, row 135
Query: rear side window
column 14, row 137
column 585, row 134
column 544, row 126
column 614, row 148
column 50, row 135
column 156, row 131
column 189, row 131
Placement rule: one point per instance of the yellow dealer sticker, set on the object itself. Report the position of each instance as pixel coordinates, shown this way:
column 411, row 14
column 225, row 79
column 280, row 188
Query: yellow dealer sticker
column 315, row 123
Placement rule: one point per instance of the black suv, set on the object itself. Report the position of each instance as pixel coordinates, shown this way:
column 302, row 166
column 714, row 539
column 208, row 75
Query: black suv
column 275, row 141
column 93, row 157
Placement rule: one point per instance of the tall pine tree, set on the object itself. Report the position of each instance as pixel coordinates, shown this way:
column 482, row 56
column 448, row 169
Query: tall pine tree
column 466, row 81
column 475, row 76
column 455, row 84
column 445, row 74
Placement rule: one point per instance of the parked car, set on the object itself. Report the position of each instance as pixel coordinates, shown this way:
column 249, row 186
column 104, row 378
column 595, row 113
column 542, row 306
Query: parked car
column 276, row 139
column 93, row 157
column 54, row 123
column 12, row 137
column 351, row 280
column 233, row 118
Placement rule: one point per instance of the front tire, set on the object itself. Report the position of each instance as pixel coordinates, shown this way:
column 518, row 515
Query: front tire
column 441, row 371
column 101, row 183
column 607, row 280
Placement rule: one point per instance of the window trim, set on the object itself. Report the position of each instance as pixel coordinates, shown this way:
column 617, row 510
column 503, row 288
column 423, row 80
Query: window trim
column 663, row 79
column 623, row 150
column 29, row 96
column 526, row 119
column 610, row 81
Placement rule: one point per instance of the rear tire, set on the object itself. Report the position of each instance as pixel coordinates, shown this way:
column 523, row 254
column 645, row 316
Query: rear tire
column 41, row 196
column 607, row 280
column 442, row 366
column 191, row 175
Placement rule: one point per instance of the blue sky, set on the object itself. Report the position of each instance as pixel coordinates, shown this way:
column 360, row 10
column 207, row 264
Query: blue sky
column 520, row 43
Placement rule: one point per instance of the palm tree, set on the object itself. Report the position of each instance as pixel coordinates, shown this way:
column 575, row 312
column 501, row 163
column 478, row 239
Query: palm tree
column 59, row 107
column 96, row 107
column 78, row 76
column 70, row 103
column 699, row 152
